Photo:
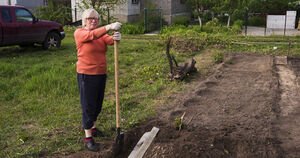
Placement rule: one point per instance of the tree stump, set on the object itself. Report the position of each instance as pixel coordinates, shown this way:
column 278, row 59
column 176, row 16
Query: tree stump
column 179, row 72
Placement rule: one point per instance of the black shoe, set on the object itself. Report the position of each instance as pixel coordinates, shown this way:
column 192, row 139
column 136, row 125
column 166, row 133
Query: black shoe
column 98, row 133
column 90, row 144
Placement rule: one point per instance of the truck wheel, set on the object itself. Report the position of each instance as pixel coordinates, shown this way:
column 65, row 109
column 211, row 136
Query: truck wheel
column 52, row 41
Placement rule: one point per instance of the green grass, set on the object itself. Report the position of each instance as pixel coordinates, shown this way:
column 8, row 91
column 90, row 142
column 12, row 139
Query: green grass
column 264, row 45
column 267, row 48
column 273, row 38
column 39, row 99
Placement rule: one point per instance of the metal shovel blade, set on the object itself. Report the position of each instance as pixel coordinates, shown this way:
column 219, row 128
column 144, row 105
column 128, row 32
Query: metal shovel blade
column 119, row 142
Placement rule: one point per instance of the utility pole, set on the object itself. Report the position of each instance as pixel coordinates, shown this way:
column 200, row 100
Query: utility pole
column 8, row 2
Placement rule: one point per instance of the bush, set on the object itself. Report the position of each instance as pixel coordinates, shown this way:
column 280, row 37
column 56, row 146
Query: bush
column 217, row 29
column 207, row 16
column 167, row 30
column 215, row 26
column 239, row 23
column 53, row 13
column 207, row 29
column 238, row 14
column 218, row 57
column 256, row 21
column 214, row 22
column 69, row 28
column 132, row 29
column 181, row 20
column 223, row 18
column 191, row 39
column 237, row 26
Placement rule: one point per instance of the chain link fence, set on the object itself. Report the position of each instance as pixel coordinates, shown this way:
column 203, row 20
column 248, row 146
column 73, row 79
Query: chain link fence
column 152, row 19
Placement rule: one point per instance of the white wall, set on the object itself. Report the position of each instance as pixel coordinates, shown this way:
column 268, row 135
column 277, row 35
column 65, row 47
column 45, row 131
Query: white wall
column 291, row 19
column 74, row 4
column 121, row 9
column 4, row 2
column 30, row 4
column 278, row 21
column 125, row 9
column 275, row 21
column 133, row 9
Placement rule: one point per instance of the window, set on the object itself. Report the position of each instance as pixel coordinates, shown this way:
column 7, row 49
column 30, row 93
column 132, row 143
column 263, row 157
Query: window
column 135, row 1
column 23, row 15
column 182, row 1
column 5, row 15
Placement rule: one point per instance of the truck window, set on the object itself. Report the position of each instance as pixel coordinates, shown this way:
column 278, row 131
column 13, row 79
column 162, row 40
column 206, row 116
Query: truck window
column 23, row 15
column 5, row 15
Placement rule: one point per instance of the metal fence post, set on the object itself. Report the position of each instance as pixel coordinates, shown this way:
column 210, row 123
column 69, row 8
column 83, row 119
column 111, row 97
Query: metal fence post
column 284, row 24
column 160, row 20
column 246, row 22
column 266, row 25
column 145, row 19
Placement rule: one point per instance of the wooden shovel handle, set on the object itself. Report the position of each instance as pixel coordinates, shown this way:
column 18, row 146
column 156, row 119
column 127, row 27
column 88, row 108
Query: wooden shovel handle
column 117, row 84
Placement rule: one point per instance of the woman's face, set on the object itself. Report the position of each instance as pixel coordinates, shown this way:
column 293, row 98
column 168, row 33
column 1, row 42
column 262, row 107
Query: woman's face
column 91, row 22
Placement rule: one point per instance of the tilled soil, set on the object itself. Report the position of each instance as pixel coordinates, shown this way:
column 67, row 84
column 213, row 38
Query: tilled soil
column 248, row 107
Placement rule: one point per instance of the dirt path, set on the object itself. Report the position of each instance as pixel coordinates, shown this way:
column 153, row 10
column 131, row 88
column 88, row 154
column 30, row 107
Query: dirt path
column 233, row 111
column 248, row 107
column 289, row 119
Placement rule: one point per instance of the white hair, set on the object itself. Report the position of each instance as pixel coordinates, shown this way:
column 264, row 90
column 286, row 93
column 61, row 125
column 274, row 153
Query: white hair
column 87, row 13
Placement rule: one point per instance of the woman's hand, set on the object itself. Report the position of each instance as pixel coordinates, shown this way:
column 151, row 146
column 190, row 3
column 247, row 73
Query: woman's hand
column 114, row 26
column 117, row 36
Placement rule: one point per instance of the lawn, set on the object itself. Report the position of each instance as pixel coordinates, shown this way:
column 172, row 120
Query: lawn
column 39, row 100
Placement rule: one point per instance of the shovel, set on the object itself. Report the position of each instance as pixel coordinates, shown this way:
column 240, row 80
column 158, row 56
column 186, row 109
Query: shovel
column 120, row 135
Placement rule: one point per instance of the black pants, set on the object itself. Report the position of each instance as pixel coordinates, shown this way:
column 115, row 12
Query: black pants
column 91, row 88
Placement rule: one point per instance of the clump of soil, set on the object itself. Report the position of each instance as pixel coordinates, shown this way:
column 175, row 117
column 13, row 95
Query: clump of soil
column 239, row 110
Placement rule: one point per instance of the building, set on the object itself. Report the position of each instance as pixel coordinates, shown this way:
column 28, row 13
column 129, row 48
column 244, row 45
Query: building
column 131, row 10
column 30, row 4
column 170, row 8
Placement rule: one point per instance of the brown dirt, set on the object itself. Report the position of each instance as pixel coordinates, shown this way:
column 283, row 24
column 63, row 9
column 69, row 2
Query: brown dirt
column 248, row 107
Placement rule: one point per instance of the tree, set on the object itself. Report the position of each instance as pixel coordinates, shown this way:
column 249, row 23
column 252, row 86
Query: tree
column 54, row 12
column 101, row 6
column 228, row 7
column 295, row 5
column 200, row 6
column 276, row 7
column 235, row 7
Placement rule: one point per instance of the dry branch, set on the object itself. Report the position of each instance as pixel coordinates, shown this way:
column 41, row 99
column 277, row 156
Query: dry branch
column 179, row 72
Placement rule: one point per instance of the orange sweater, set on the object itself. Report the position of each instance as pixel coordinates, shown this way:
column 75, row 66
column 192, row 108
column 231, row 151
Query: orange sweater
column 91, row 50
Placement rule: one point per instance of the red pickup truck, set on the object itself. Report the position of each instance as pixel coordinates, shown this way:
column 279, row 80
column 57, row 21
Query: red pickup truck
column 18, row 26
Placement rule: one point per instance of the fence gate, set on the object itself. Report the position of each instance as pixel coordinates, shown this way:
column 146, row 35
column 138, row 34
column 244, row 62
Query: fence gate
column 152, row 19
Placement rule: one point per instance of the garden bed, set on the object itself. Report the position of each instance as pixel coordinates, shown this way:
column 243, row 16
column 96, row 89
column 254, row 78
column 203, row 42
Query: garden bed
column 239, row 110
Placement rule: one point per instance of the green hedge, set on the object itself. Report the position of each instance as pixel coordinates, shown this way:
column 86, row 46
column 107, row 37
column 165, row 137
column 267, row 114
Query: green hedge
column 237, row 26
column 132, row 29
column 256, row 21
column 193, row 38
column 181, row 20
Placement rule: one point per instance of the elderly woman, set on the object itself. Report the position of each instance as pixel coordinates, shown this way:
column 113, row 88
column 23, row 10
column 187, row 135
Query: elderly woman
column 91, row 45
